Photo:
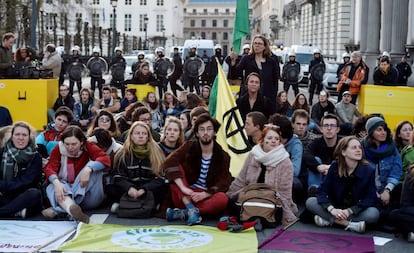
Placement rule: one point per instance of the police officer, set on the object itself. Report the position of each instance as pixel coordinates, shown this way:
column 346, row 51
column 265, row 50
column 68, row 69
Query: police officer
column 118, row 65
column 178, row 71
column 316, row 70
column 161, row 66
column 212, row 65
column 74, row 71
column 404, row 70
column 191, row 69
column 290, row 74
column 96, row 66
column 347, row 59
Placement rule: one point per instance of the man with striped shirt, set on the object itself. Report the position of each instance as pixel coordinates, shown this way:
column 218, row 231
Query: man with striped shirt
column 199, row 175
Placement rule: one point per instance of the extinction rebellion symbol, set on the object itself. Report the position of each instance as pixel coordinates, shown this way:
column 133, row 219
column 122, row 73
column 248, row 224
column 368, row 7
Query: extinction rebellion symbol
column 160, row 238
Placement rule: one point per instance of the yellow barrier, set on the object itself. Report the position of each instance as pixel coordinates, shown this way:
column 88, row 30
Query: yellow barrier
column 29, row 99
column 395, row 103
column 142, row 90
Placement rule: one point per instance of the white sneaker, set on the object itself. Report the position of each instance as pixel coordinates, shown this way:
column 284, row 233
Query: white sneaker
column 358, row 227
column 49, row 213
column 21, row 213
column 321, row 222
column 114, row 207
column 410, row 237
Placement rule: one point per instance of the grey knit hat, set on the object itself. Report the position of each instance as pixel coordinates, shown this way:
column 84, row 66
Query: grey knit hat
column 373, row 123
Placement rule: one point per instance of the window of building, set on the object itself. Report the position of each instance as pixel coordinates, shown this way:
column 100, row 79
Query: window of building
column 128, row 2
column 205, row 11
column 216, row 11
column 95, row 2
column 49, row 1
column 225, row 36
column 63, row 20
column 64, row 1
column 227, row 11
column 78, row 1
column 95, row 19
column 194, row 11
column 160, row 2
column 160, row 23
column 142, row 22
column 192, row 34
column 203, row 35
column 50, row 20
column 78, row 15
column 185, row 10
column 192, row 23
column 225, row 23
column 128, row 22
column 203, row 23
column 214, row 23
column 213, row 35
column 143, row 2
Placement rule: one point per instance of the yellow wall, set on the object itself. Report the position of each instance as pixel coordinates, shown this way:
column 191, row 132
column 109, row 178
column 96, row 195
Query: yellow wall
column 29, row 99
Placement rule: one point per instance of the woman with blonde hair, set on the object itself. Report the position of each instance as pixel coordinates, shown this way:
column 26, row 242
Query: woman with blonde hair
column 172, row 135
column 137, row 167
column 347, row 196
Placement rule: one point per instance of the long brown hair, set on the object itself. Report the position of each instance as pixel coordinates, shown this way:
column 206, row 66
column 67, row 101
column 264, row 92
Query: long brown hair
column 343, row 145
column 267, row 52
column 156, row 155
column 169, row 120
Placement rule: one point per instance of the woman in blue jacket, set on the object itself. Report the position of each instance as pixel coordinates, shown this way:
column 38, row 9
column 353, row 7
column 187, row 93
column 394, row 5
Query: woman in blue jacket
column 20, row 170
column 347, row 195
column 383, row 155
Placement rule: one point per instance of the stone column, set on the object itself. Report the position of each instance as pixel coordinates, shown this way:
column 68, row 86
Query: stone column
column 399, row 28
column 386, row 25
column 373, row 34
column 410, row 34
column 364, row 25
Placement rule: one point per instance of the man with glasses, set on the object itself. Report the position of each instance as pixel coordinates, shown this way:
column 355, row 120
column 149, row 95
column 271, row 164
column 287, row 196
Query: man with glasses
column 319, row 153
column 199, row 175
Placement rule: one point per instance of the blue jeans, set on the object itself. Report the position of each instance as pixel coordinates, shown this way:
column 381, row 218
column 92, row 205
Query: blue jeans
column 315, row 178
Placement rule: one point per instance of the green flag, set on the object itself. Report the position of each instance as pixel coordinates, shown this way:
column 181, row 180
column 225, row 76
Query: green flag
column 241, row 24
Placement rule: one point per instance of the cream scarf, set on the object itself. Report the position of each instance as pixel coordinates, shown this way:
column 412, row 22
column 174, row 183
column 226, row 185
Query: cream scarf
column 271, row 158
column 63, row 171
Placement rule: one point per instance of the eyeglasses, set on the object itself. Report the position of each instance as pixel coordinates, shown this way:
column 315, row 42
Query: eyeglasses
column 63, row 89
column 258, row 43
column 329, row 126
column 208, row 129
column 104, row 119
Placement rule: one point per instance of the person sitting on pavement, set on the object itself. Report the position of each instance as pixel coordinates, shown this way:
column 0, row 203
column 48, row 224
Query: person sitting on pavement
column 319, row 153
column 323, row 107
column 199, row 175
column 141, row 113
column 82, row 111
column 253, row 126
column 194, row 113
column 5, row 134
column 402, row 134
column 20, row 173
column 74, row 174
column 172, row 136
column 50, row 137
column 153, row 104
column 64, row 99
column 105, row 120
column 107, row 102
column 382, row 154
column 169, row 105
column 282, row 104
column 300, row 122
column 129, row 98
column 347, row 113
column 137, row 168
column 268, row 162
column 347, row 195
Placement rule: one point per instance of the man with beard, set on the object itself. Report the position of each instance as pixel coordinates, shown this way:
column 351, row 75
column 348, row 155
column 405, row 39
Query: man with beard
column 353, row 75
column 199, row 175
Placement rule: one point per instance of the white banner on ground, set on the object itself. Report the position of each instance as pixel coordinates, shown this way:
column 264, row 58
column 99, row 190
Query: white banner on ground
column 31, row 236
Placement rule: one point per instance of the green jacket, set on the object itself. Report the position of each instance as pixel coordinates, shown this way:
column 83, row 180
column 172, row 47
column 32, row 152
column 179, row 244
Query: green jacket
column 407, row 155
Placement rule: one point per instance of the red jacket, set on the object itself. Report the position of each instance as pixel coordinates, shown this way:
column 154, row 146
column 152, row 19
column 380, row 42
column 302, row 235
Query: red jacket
column 91, row 152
